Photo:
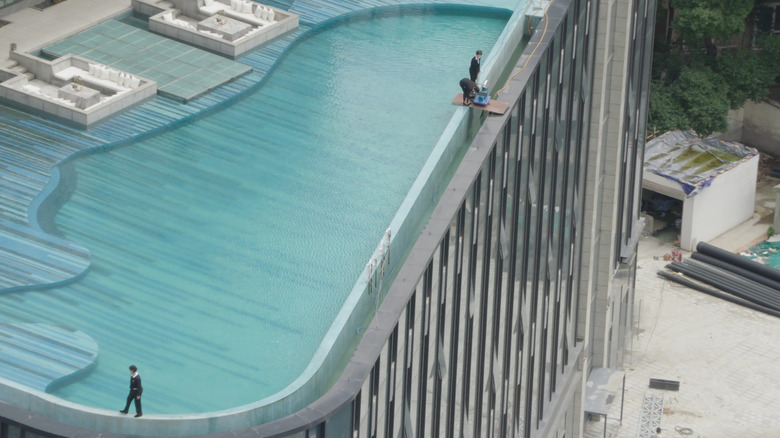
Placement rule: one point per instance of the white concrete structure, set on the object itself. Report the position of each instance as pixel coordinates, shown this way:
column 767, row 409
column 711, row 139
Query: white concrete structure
column 71, row 87
column 229, row 29
column 710, row 211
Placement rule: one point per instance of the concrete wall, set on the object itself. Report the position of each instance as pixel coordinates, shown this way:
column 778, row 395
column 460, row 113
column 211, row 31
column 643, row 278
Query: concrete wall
column 10, row 8
column 147, row 8
column 704, row 215
column 606, row 299
column 757, row 125
column 761, row 126
column 285, row 23
column 603, row 190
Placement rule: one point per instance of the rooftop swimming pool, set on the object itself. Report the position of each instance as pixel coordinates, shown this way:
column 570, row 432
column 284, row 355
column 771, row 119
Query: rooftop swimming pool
column 223, row 249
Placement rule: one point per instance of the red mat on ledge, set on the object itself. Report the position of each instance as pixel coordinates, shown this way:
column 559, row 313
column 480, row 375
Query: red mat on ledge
column 494, row 106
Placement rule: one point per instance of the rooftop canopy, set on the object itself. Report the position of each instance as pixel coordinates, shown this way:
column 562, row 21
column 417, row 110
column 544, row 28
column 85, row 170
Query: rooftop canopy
column 684, row 157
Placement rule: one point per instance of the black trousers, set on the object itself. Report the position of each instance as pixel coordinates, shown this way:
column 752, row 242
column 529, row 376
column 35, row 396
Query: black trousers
column 130, row 398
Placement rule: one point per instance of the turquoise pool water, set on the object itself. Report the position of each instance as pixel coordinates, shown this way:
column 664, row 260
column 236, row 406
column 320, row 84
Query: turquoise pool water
column 223, row 249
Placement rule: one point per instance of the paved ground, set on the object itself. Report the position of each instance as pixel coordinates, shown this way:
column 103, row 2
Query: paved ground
column 725, row 356
column 31, row 29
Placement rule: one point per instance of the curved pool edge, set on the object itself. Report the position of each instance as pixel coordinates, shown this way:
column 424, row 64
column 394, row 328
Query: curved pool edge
column 340, row 337
column 52, row 185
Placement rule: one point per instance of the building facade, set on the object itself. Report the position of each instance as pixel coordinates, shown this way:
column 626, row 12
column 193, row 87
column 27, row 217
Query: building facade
column 522, row 281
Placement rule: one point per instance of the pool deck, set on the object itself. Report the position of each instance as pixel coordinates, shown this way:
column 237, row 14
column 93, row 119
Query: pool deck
column 181, row 71
column 59, row 21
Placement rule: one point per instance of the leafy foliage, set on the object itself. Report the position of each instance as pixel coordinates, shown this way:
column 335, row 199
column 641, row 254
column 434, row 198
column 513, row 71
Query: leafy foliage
column 699, row 19
column 695, row 83
column 744, row 75
column 679, row 104
column 665, row 114
column 700, row 84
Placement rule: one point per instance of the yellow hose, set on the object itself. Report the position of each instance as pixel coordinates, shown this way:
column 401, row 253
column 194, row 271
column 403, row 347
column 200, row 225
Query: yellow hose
column 544, row 31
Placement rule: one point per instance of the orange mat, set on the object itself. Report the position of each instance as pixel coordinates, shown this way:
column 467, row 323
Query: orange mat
column 494, row 106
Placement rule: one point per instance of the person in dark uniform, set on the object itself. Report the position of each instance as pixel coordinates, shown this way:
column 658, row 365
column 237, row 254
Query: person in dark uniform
column 474, row 70
column 136, row 389
column 469, row 90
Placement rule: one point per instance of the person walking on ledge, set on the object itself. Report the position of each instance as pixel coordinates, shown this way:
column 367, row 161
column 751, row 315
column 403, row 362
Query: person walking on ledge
column 475, row 70
column 136, row 389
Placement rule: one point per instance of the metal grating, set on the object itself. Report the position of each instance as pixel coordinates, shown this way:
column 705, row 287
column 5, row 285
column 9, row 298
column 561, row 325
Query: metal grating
column 650, row 416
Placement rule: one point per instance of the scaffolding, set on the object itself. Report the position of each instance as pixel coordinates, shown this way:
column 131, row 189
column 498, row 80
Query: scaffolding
column 650, row 416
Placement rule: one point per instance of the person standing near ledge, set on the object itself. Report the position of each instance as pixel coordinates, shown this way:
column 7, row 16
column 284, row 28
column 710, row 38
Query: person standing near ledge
column 136, row 389
column 474, row 70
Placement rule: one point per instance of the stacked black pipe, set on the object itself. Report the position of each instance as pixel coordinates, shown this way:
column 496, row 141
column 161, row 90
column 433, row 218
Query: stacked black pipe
column 747, row 282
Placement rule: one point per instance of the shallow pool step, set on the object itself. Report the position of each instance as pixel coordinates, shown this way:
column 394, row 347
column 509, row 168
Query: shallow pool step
column 29, row 257
column 41, row 356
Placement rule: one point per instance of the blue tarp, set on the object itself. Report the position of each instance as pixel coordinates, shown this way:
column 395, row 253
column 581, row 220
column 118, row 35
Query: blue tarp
column 687, row 159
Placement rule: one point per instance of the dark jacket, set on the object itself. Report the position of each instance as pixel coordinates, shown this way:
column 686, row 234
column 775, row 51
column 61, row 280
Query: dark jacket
column 469, row 88
column 136, row 388
column 474, row 69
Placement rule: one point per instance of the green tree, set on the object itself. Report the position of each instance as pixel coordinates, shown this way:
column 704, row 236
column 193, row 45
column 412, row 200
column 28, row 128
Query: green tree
column 665, row 112
column 704, row 21
column 695, row 82
column 699, row 84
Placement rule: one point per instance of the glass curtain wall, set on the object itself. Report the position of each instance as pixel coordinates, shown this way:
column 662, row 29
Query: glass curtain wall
column 640, row 53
